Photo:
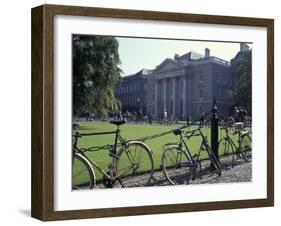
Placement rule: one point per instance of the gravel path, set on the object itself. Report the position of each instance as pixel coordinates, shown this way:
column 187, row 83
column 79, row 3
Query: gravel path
column 241, row 172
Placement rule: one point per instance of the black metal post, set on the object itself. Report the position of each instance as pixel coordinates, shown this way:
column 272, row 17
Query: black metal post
column 214, row 129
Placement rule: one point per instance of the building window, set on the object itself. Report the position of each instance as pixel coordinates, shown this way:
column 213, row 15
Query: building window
column 201, row 78
column 218, row 77
column 201, row 93
column 224, row 77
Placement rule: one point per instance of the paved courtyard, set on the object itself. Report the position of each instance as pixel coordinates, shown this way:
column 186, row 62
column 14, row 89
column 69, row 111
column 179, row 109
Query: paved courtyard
column 241, row 172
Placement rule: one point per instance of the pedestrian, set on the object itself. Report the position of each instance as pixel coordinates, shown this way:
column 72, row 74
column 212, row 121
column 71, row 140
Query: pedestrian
column 236, row 114
column 150, row 119
column 187, row 121
column 165, row 116
column 202, row 119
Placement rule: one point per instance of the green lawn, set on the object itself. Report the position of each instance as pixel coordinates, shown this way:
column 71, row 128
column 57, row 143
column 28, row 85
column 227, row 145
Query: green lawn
column 131, row 131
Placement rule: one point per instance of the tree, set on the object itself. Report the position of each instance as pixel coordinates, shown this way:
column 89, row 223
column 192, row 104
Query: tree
column 95, row 73
column 242, row 72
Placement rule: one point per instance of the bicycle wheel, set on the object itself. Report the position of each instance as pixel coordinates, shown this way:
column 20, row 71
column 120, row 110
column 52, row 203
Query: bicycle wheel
column 246, row 147
column 226, row 149
column 83, row 176
column 134, row 166
column 176, row 165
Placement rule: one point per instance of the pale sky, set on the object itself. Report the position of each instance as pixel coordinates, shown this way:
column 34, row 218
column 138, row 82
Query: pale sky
column 139, row 53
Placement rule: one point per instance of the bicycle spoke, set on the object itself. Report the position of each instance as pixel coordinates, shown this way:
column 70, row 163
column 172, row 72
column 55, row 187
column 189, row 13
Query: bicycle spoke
column 170, row 158
column 176, row 166
column 127, row 170
column 129, row 155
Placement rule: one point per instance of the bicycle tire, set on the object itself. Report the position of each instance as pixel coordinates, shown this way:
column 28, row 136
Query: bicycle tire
column 177, row 171
column 226, row 148
column 130, row 170
column 246, row 146
column 83, row 176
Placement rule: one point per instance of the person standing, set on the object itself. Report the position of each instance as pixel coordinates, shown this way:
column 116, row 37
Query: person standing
column 236, row 114
column 165, row 116
column 187, row 121
column 150, row 119
column 202, row 119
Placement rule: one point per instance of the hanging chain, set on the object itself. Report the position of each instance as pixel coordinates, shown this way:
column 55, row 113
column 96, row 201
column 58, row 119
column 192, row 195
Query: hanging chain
column 143, row 139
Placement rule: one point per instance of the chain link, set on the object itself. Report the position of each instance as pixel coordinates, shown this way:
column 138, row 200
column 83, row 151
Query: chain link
column 143, row 139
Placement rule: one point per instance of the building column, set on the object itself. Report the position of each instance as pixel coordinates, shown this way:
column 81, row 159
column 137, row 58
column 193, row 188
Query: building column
column 156, row 98
column 184, row 99
column 189, row 91
column 174, row 97
column 164, row 81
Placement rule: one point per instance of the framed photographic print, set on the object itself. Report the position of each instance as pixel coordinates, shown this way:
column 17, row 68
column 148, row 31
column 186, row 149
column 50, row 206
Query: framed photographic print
column 141, row 112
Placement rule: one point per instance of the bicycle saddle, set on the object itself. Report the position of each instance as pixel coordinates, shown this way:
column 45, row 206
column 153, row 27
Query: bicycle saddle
column 118, row 122
column 177, row 131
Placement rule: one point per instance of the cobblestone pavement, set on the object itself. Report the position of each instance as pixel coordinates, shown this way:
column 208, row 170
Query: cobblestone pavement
column 241, row 172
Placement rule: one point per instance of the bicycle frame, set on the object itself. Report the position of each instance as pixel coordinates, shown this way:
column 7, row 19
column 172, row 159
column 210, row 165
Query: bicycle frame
column 182, row 142
column 112, row 149
column 230, row 140
column 194, row 160
column 204, row 141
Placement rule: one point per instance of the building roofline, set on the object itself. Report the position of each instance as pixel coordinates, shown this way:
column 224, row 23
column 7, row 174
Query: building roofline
column 138, row 74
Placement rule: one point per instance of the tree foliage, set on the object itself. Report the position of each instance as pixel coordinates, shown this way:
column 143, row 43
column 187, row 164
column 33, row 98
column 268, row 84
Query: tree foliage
column 95, row 73
column 242, row 72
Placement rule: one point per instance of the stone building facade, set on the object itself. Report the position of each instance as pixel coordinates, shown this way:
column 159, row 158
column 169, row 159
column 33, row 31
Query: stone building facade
column 186, row 85
column 132, row 92
column 183, row 87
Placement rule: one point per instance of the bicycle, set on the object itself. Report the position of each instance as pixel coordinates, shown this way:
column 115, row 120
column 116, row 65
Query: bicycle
column 179, row 165
column 241, row 149
column 134, row 158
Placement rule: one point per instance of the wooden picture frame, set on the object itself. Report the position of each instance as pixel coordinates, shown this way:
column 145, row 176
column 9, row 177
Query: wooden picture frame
column 42, row 203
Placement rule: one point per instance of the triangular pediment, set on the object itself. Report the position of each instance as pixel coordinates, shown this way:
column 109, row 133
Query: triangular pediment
column 168, row 65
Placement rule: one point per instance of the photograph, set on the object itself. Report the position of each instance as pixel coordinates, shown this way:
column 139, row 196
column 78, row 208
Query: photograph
column 140, row 112
column 149, row 112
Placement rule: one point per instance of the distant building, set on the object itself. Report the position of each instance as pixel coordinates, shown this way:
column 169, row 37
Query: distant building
column 186, row 85
column 183, row 87
column 132, row 92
